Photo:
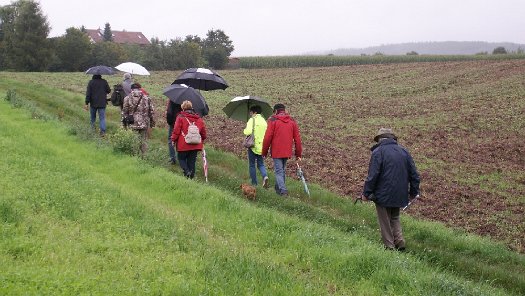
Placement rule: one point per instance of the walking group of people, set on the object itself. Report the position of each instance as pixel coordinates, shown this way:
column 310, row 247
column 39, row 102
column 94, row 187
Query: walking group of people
column 392, row 179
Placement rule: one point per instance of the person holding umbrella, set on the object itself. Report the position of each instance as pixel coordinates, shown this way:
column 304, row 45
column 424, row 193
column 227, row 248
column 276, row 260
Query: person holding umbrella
column 281, row 135
column 96, row 100
column 392, row 179
column 256, row 126
column 187, row 150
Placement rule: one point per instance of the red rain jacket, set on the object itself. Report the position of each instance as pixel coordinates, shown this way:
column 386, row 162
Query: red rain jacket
column 281, row 134
column 181, row 125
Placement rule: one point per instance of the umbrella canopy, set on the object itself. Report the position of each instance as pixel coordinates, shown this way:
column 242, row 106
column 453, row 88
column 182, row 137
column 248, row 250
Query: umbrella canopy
column 239, row 107
column 178, row 93
column 132, row 68
column 205, row 164
column 201, row 78
column 100, row 70
column 300, row 174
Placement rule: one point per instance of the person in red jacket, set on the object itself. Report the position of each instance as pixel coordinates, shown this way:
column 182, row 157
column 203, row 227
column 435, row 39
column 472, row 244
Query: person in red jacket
column 187, row 153
column 281, row 135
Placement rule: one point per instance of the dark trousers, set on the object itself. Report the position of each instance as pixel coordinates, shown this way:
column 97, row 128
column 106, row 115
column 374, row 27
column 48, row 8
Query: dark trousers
column 390, row 225
column 187, row 160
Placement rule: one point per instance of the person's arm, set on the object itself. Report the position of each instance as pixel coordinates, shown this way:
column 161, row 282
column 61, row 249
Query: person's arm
column 125, row 107
column 297, row 141
column 202, row 130
column 108, row 89
column 374, row 169
column 88, row 94
column 249, row 126
column 176, row 130
column 413, row 177
column 268, row 136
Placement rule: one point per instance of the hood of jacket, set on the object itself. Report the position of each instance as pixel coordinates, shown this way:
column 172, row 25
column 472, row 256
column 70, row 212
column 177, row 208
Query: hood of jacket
column 282, row 117
column 190, row 114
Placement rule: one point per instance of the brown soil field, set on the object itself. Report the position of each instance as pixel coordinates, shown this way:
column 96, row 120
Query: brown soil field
column 462, row 121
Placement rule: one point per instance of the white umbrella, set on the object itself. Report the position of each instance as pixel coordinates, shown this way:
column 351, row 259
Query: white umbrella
column 132, row 68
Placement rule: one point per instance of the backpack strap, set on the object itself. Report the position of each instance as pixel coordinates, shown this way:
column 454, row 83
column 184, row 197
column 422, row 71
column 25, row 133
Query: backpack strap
column 190, row 123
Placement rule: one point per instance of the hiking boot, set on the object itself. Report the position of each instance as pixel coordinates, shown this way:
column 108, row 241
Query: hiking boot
column 266, row 182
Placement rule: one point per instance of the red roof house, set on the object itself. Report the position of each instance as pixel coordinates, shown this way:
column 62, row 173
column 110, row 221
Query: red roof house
column 122, row 37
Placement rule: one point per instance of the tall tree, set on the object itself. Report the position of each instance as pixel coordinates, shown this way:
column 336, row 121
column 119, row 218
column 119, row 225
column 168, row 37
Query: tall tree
column 108, row 53
column 73, row 50
column 216, row 48
column 154, row 58
column 218, row 39
column 24, row 36
column 108, row 34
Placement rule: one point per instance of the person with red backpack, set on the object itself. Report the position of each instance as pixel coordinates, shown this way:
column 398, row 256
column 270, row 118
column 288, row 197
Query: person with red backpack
column 188, row 135
column 281, row 135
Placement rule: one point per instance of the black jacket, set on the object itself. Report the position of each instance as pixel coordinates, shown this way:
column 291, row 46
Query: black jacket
column 96, row 93
column 172, row 111
column 392, row 175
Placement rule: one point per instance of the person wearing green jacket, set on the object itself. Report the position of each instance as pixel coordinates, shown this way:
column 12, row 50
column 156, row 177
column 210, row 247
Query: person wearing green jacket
column 254, row 153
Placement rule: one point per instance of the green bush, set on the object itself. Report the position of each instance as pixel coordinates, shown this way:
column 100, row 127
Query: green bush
column 125, row 141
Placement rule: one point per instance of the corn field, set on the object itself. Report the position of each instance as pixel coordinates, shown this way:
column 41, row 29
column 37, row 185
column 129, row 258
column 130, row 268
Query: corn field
column 332, row 61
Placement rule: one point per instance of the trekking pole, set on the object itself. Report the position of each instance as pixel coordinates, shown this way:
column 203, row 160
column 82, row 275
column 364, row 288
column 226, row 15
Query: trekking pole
column 410, row 202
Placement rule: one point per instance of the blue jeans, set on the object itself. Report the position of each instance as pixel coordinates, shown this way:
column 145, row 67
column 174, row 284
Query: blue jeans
column 252, row 159
column 101, row 118
column 279, row 165
column 173, row 153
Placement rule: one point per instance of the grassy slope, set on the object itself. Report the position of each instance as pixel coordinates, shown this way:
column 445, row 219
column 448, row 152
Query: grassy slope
column 265, row 247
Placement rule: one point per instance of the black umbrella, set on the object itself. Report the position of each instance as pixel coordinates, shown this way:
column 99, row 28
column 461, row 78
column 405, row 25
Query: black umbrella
column 178, row 93
column 201, row 78
column 100, row 70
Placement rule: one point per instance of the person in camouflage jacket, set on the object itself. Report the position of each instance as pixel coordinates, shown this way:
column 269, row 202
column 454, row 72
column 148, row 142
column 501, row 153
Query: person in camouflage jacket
column 139, row 105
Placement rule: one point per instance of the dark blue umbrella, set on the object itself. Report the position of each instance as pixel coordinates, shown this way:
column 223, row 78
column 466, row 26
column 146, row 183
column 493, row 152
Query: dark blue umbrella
column 178, row 93
column 100, row 70
column 201, row 78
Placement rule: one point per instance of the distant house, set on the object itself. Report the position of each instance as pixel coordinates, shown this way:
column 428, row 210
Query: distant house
column 233, row 63
column 122, row 37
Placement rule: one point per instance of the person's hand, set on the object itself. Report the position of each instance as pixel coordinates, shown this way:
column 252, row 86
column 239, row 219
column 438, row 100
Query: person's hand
column 86, row 107
column 414, row 197
column 299, row 159
column 364, row 198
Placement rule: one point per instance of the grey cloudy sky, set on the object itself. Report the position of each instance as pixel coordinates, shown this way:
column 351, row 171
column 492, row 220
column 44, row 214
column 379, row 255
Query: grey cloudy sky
column 286, row 27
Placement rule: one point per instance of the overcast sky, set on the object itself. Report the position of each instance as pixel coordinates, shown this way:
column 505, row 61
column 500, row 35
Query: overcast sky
column 287, row 27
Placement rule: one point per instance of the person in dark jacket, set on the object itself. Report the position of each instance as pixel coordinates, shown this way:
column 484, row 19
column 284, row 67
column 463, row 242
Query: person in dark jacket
column 392, row 180
column 187, row 153
column 96, row 99
column 172, row 110
column 281, row 135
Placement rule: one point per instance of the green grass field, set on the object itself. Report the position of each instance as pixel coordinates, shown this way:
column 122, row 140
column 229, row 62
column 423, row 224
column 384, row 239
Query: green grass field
column 79, row 218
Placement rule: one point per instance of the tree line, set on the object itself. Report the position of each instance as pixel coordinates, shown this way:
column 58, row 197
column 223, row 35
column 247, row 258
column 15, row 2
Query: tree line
column 25, row 46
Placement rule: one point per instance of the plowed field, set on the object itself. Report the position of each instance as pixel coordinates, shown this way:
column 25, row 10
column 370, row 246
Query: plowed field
column 463, row 123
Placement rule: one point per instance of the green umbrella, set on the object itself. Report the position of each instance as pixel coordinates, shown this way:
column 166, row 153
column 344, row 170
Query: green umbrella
column 239, row 107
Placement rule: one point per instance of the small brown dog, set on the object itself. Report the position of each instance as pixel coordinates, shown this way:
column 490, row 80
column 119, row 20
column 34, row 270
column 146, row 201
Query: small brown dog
column 249, row 191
